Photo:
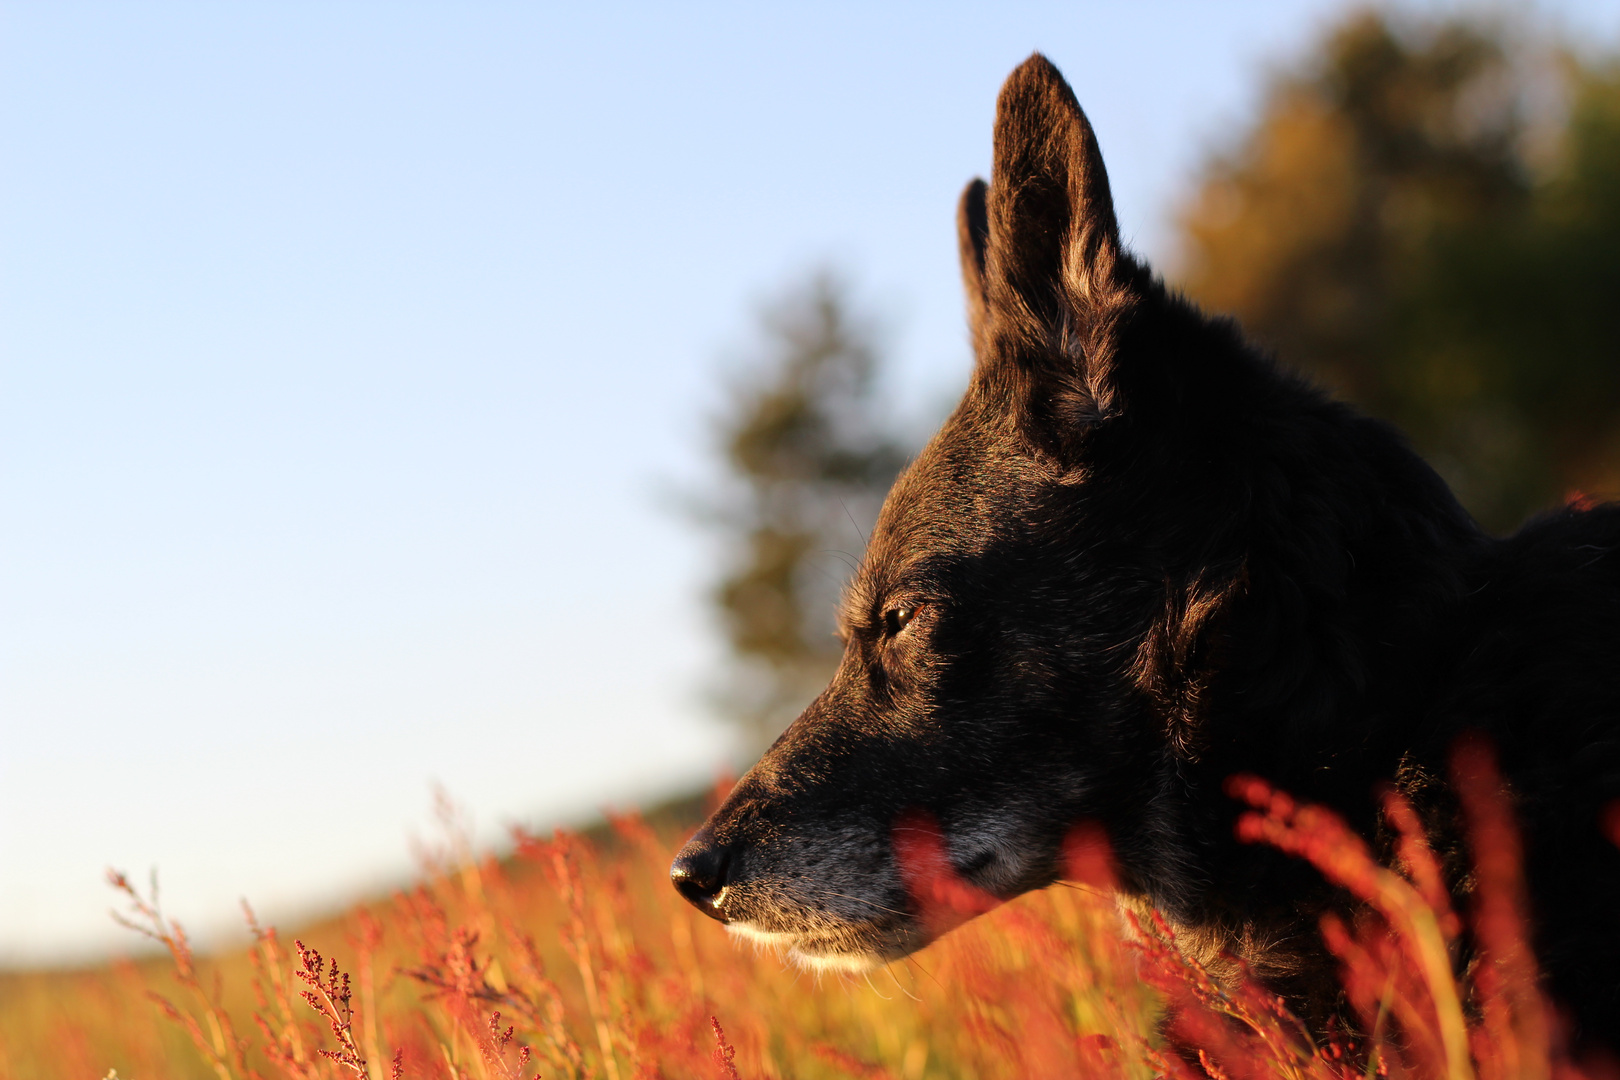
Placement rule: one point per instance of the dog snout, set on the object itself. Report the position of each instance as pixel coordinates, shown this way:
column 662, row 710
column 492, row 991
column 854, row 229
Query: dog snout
column 700, row 873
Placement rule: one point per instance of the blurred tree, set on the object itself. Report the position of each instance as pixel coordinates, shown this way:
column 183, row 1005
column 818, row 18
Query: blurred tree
column 1382, row 227
column 811, row 458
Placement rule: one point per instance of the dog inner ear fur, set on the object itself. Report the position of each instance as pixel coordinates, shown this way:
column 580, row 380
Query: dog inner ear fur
column 1049, row 286
column 972, row 236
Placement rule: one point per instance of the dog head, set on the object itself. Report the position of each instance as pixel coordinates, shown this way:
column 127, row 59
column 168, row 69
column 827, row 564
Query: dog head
column 1013, row 647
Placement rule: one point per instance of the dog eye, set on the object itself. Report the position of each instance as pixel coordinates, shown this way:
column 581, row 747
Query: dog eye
column 895, row 619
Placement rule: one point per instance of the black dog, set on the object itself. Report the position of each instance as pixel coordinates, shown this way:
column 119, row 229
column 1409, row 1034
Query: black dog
column 1137, row 560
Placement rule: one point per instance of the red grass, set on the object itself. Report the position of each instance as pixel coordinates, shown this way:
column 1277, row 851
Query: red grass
column 576, row 961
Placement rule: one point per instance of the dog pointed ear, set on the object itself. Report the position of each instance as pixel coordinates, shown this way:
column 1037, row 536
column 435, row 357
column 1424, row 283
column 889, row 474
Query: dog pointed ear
column 972, row 237
column 1056, row 284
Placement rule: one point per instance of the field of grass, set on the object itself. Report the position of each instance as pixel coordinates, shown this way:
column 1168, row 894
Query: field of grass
column 576, row 959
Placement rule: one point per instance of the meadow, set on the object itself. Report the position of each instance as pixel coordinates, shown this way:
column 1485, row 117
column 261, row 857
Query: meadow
column 573, row 958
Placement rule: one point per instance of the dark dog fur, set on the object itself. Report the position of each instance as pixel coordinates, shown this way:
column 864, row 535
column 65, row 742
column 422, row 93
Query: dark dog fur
column 1138, row 559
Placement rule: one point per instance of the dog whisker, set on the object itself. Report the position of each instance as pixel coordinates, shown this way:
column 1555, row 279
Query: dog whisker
column 869, row 903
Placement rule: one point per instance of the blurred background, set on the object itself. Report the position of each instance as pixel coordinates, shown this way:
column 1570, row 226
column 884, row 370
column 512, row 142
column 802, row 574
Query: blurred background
column 491, row 398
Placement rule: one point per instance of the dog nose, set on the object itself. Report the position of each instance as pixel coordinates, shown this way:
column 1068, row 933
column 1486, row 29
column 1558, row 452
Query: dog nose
column 699, row 874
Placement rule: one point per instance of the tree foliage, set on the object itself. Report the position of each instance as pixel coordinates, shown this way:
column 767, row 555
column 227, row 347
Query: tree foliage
column 811, row 457
column 1387, row 227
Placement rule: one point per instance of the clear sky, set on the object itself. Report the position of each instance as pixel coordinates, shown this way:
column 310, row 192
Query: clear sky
column 350, row 354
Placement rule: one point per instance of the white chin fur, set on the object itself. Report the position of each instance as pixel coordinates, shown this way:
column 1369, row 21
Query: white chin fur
column 787, row 944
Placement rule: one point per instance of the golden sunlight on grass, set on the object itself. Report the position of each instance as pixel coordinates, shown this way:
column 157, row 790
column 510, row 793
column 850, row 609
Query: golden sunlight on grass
column 575, row 959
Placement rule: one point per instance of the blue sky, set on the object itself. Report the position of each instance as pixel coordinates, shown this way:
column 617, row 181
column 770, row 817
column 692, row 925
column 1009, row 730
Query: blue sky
column 350, row 354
